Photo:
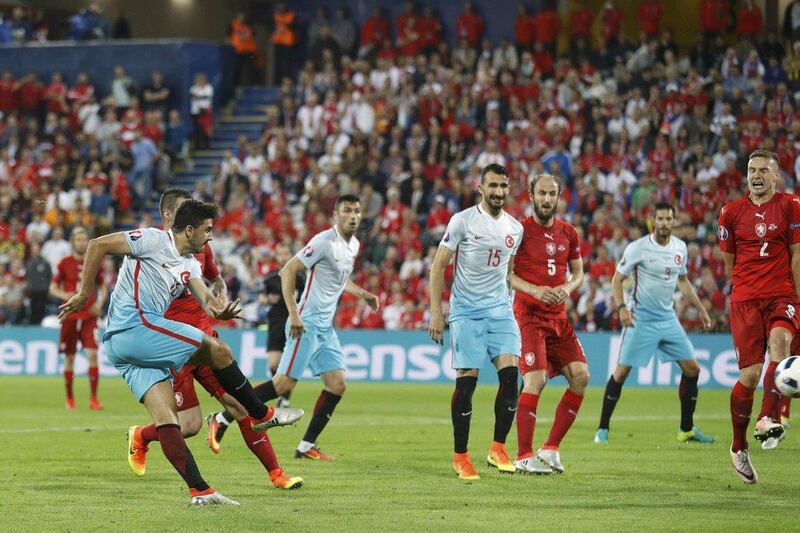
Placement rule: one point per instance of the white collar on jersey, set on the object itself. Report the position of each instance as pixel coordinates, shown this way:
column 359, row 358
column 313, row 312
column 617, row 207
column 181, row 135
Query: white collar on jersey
column 336, row 231
column 654, row 241
column 172, row 240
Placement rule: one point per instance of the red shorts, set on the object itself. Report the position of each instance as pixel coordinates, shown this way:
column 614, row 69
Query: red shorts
column 183, row 385
column 547, row 343
column 752, row 321
column 72, row 330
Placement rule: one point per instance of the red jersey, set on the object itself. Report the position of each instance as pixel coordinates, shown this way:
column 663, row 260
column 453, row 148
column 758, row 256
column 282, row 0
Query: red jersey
column 760, row 237
column 649, row 17
column 543, row 259
column 185, row 308
column 68, row 278
column 580, row 22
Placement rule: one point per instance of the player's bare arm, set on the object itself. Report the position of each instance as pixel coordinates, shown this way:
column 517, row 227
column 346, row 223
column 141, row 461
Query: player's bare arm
column 219, row 289
column 729, row 260
column 626, row 316
column 435, row 286
column 686, row 288
column 364, row 294
column 98, row 248
column 210, row 304
column 548, row 295
column 794, row 250
column 574, row 282
column 288, row 276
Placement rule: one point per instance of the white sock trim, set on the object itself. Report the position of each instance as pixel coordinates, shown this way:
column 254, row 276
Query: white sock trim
column 305, row 446
column 221, row 419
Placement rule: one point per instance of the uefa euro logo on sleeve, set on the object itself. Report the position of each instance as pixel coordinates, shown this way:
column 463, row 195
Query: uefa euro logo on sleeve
column 722, row 232
column 308, row 251
column 135, row 235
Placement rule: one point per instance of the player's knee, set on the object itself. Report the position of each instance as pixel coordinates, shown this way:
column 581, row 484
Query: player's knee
column 621, row 373
column 691, row 369
column 221, row 355
column 190, row 428
column 580, row 378
column 748, row 376
column 337, row 387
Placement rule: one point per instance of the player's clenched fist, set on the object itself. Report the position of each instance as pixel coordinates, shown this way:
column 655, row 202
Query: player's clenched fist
column 436, row 328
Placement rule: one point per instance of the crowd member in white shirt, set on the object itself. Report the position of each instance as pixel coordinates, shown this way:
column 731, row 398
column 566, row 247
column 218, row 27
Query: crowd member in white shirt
column 56, row 248
column 707, row 173
column 309, row 116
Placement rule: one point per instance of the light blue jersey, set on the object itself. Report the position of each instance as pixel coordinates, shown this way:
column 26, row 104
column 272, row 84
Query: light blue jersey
column 152, row 276
column 483, row 246
column 655, row 270
column 329, row 260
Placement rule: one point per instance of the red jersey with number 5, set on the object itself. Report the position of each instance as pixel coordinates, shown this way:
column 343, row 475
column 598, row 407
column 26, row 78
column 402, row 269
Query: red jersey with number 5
column 760, row 237
column 543, row 259
column 185, row 308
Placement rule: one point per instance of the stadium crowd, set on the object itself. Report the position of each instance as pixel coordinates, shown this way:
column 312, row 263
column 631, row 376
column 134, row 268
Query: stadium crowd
column 391, row 113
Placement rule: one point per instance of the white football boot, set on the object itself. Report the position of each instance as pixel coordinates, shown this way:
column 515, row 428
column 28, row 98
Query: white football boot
column 532, row 465
column 551, row 458
column 743, row 466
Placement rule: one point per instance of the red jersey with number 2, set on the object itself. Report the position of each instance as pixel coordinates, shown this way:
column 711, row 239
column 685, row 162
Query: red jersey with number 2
column 185, row 308
column 760, row 237
column 543, row 259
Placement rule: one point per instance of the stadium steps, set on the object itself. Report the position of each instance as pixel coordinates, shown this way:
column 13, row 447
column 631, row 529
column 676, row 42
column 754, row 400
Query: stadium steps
column 246, row 115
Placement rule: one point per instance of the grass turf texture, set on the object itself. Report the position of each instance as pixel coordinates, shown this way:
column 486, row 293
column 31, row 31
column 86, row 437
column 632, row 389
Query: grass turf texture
column 65, row 470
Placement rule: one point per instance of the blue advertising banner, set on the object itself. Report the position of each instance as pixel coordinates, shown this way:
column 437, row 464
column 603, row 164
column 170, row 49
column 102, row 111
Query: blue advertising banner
column 377, row 355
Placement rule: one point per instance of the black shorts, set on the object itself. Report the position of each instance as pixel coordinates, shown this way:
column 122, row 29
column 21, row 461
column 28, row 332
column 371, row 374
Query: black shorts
column 276, row 334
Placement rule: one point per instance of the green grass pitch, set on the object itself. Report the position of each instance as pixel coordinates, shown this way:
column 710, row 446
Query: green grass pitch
column 67, row 471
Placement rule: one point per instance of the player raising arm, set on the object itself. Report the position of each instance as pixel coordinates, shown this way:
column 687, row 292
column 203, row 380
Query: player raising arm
column 658, row 263
column 484, row 240
column 759, row 236
column 547, row 269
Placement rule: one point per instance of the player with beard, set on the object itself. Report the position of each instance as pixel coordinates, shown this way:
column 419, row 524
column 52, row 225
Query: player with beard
column 549, row 345
column 484, row 240
column 658, row 264
column 759, row 236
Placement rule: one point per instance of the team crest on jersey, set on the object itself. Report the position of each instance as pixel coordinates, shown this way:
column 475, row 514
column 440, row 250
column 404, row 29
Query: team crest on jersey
column 179, row 398
column 722, row 233
column 761, row 229
column 551, row 248
column 509, row 241
column 135, row 235
column 529, row 358
column 185, row 277
column 308, row 251
column 678, row 259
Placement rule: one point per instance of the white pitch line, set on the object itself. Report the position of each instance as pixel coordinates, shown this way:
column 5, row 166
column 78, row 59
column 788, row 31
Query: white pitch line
column 396, row 421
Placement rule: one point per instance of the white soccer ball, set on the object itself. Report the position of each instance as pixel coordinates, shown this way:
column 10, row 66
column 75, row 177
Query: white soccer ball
column 787, row 376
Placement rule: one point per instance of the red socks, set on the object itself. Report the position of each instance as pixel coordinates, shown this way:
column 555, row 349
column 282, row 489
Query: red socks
column 149, row 433
column 94, row 376
column 566, row 412
column 741, row 409
column 786, row 401
column 259, row 444
column 771, row 403
column 526, row 423
column 69, row 376
column 176, row 452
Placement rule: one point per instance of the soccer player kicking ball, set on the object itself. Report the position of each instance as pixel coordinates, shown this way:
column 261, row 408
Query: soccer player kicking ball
column 549, row 345
column 312, row 342
column 759, row 236
column 658, row 263
column 81, row 324
column 484, row 239
column 187, row 310
column 143, row 345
